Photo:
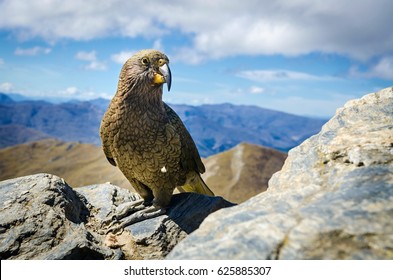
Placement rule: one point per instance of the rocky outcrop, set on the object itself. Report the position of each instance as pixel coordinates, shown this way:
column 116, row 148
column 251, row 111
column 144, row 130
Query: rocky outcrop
column 41, row 217
column 153, row 238
column 333, row 199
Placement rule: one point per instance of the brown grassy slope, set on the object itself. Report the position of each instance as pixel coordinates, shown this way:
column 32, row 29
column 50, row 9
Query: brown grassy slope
column 242, row 172
column 79, row 164
column 236, row 174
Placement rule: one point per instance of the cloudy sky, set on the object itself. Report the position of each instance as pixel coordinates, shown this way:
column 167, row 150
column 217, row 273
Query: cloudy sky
column 298, row 56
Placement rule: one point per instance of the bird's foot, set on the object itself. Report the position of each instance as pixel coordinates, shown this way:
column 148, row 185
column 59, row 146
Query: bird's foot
column 131, row 213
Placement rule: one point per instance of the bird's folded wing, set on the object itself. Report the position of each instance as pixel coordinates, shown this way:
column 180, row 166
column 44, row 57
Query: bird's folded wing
column 190, row 158
column 104, row 134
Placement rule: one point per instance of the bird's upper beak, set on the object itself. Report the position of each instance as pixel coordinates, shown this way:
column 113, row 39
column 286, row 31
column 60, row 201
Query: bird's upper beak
column 166, row 73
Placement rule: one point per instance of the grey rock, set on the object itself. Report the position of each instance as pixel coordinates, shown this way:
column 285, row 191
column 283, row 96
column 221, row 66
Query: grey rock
column 333, row 198
column 42, row 217
column 106, row 198
column 153, row 238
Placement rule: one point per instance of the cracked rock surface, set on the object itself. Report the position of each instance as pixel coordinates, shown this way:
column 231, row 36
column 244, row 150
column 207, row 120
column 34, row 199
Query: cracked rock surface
column 152, row 238
column 42, row 217
column 333, row 198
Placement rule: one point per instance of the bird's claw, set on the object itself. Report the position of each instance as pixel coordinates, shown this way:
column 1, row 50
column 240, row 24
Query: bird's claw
column 111, row 225
column 109, row 222
column 116, row 223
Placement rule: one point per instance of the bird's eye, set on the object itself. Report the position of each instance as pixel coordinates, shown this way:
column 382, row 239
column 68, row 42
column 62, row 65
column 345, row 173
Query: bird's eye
column 145, row 61
column 161, row 62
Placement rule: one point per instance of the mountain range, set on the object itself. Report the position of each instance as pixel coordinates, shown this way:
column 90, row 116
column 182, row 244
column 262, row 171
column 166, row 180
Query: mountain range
column 214, row 128
column 236, row 174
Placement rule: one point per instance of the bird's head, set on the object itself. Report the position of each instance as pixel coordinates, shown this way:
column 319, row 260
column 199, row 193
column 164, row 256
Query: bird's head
column 146, row 68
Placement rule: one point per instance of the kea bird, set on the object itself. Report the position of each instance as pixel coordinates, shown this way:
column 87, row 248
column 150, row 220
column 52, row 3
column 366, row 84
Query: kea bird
column 147, row 140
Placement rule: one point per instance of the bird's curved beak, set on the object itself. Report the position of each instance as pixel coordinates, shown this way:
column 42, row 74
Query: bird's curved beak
column 166, row 73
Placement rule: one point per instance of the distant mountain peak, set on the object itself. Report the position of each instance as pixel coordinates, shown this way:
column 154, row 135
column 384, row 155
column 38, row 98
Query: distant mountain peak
column 242, row 171
column 5, row 98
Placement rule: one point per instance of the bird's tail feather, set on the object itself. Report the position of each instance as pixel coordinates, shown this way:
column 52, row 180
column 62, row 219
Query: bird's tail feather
column 197, row 185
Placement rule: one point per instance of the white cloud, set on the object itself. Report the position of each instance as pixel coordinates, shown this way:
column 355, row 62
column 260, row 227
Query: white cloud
column 256, row 90
column 96, row 65
column 6, row 87
column 70, row 91
column 383, row 69
column 299, row 105
column 189, row 98
column 91, row 57
column 32, row 51
column 279, row 75
column 215, row 28
column 157, row 45
column 188, row 55
column 88, row 56
column 1, row 61
column 122, row 56
column 81, row 94
column 78, row 20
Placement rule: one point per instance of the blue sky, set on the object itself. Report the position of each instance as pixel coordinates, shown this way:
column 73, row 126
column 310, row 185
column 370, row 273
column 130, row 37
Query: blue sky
column 298, row 56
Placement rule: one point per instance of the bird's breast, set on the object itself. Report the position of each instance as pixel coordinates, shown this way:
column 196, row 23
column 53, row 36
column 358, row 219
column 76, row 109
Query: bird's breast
column 141, row 130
